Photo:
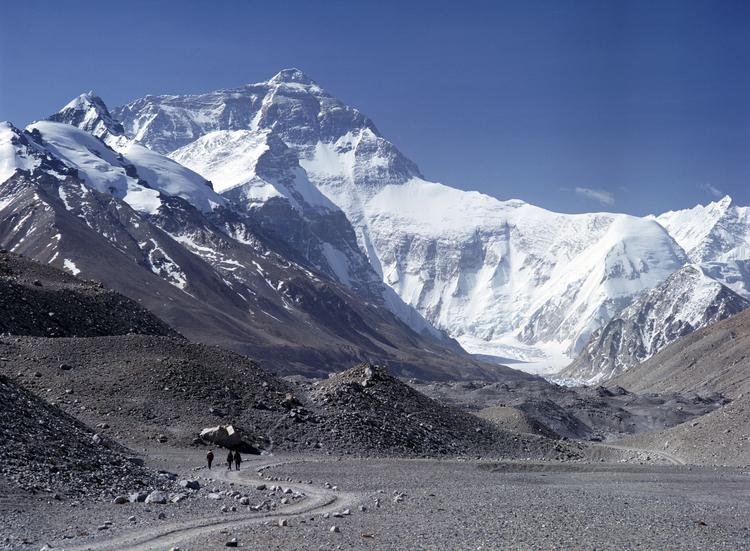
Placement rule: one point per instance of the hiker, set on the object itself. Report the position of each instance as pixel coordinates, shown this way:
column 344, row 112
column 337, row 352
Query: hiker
column 237, row 460
column 230, row 458
column 210, row 458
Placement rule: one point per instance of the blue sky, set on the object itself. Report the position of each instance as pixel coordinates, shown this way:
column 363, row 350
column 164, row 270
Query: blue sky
column 630, row 106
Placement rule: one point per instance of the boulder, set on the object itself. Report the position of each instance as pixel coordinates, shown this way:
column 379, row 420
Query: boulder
column 223, row 435
column 229, row 437
column 156, row 497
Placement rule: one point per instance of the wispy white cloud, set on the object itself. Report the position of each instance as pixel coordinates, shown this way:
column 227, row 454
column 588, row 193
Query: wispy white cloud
column 603, row 197
column 713, row 190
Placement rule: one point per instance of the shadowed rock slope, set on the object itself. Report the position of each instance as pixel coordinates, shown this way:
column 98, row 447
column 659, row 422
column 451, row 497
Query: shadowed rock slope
column 43, row 301
column 714, row 359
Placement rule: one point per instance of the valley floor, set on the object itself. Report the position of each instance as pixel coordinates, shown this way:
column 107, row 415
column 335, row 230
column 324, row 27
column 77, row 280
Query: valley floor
column 444, row 504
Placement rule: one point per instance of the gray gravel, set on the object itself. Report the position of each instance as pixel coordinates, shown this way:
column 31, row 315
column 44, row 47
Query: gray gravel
column 476, row 505
column 433, row 504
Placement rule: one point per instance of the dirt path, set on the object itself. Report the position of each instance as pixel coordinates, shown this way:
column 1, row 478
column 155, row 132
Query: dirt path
column 673, row 459
column 317, row 501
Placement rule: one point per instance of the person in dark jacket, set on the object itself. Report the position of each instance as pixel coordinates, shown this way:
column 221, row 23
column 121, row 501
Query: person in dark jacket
column 230, row 458
column 237, row 460
column 210, row 458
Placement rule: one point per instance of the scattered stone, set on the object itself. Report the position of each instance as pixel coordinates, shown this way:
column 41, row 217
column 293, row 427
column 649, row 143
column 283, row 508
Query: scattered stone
column 120, row 500
column 190, row 484
column 335, row 529
column 283, row 522
column 137, row 497
column 232, row 543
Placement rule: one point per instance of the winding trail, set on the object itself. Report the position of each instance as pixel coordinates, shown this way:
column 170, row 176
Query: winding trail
column 673, row 459
column 316, row 502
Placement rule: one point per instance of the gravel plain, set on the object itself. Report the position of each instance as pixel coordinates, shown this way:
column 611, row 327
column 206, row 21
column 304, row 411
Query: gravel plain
column 416, row 504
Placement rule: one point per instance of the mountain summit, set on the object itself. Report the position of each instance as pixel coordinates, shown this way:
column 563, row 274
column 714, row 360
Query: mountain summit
column 291, row 75
column 88, row 112
column 505, row 278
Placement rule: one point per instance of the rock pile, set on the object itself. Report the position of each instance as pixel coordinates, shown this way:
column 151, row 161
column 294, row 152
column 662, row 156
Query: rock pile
column 43, row 449
column 367, row 410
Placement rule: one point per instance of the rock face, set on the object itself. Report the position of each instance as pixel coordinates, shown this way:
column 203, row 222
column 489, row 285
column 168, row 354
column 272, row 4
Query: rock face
column 504, row 278
column 685, row 302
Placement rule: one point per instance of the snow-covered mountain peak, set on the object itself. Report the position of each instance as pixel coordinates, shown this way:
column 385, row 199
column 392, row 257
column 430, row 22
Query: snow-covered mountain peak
column 724, row 202
column 717, row 236
column 292, row 75
column 89, row 113
column 22, row 150
column 504, row 277
column 130, row 171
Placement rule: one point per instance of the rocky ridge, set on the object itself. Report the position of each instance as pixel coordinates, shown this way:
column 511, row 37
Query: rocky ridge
column 685, row 302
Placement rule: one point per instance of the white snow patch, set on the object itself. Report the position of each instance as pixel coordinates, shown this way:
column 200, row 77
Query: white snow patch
column 71, row 266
